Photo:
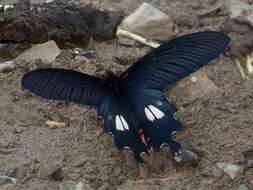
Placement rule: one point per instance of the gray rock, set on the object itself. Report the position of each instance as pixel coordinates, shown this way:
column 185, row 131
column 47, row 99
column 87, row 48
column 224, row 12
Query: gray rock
column 232, row 170
column 250, row 163
column 196, row 4
column 216, row 172
column 243, row 187
column 240, row 10
column 47, row 52
column 150, row 23
column 126, row 41
column 11, row 172
column 4, row 180
column 51, row 169
column 201, row 86
column 8, row 65
column 73, row 185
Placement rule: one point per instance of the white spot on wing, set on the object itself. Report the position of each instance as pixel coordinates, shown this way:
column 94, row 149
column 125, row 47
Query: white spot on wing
column 149, row 115
column 125, row 125
column 156, row 112
column 119, row 125
column 159, row 103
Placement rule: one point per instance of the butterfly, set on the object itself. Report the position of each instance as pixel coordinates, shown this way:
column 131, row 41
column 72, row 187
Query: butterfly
column 133, row 106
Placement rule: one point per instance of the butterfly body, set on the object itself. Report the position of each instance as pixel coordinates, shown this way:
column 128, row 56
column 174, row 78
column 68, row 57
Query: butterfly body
column 133, row 106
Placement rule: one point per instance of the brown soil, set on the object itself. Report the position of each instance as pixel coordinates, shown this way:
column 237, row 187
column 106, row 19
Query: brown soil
column 219, row 128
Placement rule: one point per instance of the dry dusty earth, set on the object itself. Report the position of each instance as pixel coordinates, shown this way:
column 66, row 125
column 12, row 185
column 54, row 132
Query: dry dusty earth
column 218, row 127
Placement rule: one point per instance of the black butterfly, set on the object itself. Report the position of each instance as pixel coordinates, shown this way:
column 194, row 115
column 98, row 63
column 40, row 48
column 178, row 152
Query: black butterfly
column 133, row 106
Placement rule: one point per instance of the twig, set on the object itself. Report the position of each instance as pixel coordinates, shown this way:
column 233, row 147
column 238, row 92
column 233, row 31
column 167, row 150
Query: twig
column 125, row 33
column 239, row 66
column 53, row 124
column 249, row 66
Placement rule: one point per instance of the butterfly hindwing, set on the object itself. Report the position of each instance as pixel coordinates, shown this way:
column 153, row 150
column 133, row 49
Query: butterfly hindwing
column 157, row 113
column 120, row 120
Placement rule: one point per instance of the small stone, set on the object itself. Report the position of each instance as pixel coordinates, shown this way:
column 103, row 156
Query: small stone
column 57, row 175
column 12, row 172
column 73, row 185
column 126, row 41
column 80, row 162
column 4, row 180
column 231, row 169
column 6, row 66
column 81, row 58
column 150, row 23
column 250, row 163
column 194, row 79
column 51, row 169
column 243, row 187
column 240, row 10
column 47, row 52
column 216, row 172
column 195, row 4
column 194, row 87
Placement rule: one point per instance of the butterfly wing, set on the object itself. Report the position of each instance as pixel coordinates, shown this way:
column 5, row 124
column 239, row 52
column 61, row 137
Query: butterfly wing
column 66, row 85
column 175, row 59
column 146, row 79
column 157, row 113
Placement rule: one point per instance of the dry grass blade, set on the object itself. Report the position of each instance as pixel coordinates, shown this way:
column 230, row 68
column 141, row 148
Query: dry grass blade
column 239, row 66
column 125, row 33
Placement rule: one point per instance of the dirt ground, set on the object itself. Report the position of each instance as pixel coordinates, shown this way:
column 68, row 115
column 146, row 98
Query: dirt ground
column 218, row 127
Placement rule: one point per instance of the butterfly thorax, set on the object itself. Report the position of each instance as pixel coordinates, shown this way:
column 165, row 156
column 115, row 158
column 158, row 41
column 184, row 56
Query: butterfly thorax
column 112, row 79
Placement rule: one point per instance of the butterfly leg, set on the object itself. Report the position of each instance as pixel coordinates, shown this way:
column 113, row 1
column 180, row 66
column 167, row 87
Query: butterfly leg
column 143, row 171
column 145, row 164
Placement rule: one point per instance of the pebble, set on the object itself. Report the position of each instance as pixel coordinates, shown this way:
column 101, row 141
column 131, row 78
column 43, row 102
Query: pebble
column 243, row 187
column 47, row 52
column 250, row 163
column 150, row 23
column 7, row 180
column 194, row 79
column 195, row 87
column 195, row 4
column 73, row 185
column 126, row 41
column 240, row 10
column 232, row 170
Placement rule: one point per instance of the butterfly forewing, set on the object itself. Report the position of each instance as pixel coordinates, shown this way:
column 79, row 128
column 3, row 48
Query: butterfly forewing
column 175, row 60
column 66, row 85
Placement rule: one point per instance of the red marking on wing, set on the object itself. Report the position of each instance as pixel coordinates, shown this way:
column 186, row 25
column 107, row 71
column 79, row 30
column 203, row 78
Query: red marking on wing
column 125, row 76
